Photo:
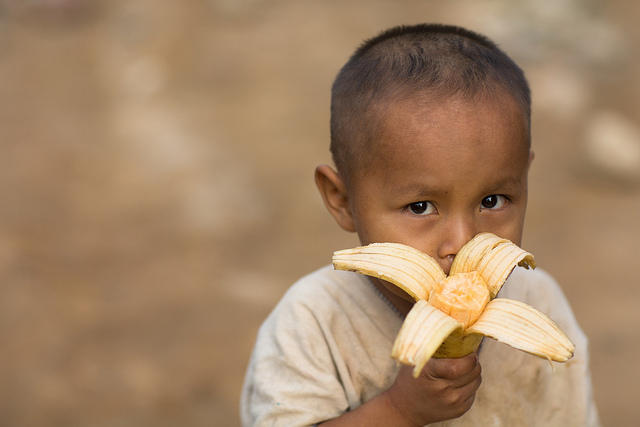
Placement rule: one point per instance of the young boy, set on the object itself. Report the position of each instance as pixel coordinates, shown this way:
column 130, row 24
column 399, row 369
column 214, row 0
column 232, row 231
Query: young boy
column 430, row 135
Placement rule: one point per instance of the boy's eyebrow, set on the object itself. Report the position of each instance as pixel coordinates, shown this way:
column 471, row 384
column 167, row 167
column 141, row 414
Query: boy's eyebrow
column 416, row 189
column 509, row 182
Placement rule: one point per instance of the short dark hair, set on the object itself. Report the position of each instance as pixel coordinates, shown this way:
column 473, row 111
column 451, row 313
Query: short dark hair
column 425, row 59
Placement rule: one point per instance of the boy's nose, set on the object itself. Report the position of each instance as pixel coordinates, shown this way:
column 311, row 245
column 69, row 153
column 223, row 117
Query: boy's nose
column 454, row 238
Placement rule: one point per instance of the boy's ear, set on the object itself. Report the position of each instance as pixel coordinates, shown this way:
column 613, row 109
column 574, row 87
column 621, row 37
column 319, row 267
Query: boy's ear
column 335, row 196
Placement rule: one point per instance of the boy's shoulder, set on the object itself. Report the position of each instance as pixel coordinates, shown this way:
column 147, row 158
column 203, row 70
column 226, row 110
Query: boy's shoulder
column 535, row 287
column 329, row 296
column 330, row 337
column 322, row 289
column 326, row 282
column 326, row 291
column 540, row 290
column 325, row 285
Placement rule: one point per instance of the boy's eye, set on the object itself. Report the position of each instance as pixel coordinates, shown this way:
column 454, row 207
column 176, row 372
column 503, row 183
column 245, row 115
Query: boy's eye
column 494, row 201
column 421, row 208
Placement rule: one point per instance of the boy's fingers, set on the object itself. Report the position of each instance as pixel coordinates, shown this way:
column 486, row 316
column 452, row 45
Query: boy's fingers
column 470, row 392
column 471, row 379
column 453, row 368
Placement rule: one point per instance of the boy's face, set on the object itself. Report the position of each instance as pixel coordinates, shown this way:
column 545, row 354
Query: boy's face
column 443, row 174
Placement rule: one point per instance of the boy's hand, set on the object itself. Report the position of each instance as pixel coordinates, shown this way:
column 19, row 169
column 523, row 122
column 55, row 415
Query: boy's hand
column 445, row 389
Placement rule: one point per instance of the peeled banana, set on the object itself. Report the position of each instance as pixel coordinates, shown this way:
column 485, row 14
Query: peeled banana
column 454, row 313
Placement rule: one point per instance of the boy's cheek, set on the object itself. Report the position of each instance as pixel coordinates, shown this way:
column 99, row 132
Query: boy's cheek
column 509, row 229
column 374, row 224
column 424, row 235
column 393, row 230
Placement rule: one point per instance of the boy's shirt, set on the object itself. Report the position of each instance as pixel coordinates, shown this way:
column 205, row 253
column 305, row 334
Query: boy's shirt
column 325, row 349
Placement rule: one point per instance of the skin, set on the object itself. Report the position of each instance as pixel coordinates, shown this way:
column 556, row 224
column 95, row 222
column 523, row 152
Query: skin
column 443, row 172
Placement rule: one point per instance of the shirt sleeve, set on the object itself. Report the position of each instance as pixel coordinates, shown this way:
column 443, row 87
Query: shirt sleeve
column 566, row 399
column 292, row 378
column 579, row 385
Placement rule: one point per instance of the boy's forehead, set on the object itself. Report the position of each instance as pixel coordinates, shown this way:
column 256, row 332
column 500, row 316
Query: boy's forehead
column 413, row 132
column 399, row 129
column 430, row 119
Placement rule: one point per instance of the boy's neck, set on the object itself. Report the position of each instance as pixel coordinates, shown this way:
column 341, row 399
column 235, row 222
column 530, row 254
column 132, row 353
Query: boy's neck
column 401, row 304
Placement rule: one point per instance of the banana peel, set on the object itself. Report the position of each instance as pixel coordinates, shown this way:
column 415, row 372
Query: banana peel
column 453, row 313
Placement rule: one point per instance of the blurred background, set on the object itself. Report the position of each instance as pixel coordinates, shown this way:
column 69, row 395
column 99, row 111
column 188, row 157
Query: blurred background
column 157, row 192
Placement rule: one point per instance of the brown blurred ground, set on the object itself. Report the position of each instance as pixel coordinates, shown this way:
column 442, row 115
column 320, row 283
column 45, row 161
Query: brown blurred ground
column 157, row 192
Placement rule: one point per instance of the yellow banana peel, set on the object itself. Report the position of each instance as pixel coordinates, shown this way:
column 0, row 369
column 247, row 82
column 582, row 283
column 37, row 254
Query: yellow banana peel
column 454, row 313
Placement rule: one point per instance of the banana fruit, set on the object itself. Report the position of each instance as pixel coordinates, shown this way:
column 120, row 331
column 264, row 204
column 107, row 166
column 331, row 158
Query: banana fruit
column 454, row 313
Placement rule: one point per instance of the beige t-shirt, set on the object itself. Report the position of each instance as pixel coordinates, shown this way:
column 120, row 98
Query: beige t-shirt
column 325, row 349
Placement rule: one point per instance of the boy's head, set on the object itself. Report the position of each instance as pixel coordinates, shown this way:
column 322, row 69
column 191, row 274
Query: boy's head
column 429, row 62
column 430, row 134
